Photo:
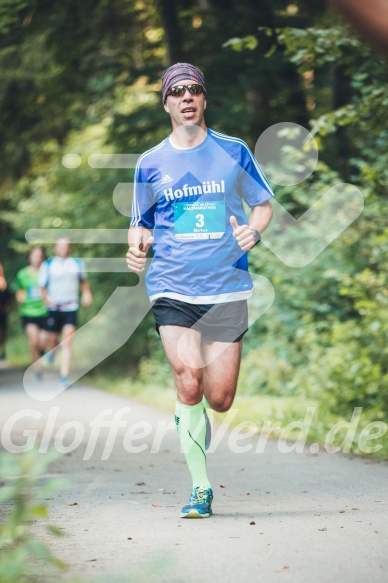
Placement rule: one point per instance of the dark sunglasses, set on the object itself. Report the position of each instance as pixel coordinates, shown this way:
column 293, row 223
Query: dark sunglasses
column 180, row 90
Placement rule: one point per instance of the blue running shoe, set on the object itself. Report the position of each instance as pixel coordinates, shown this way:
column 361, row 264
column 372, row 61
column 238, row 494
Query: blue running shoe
column 64, row 383
column 199, row 505
column 50, row 356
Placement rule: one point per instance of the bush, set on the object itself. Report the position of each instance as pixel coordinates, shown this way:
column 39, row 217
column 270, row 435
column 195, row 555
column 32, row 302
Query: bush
column 23, row 557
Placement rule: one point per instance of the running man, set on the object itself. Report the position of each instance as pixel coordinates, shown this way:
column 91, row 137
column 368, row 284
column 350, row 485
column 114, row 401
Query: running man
column 61, row 278
column 188, row 204
column 32, row 308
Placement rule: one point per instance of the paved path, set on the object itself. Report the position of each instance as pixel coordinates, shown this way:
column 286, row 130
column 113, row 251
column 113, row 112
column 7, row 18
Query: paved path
column 303, row 518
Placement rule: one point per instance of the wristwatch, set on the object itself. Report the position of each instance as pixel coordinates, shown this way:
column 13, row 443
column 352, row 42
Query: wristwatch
column 257, row 236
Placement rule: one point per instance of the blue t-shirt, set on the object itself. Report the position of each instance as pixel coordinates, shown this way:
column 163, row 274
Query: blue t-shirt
column 187, row 196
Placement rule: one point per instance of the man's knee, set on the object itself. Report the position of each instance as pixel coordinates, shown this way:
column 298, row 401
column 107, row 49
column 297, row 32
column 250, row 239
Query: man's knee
column 221, row 406
column 190, row 386
column 221, row 402
column 67, row 333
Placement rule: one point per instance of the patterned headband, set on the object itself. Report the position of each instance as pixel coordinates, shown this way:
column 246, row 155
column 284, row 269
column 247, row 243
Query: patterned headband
column 179, row 72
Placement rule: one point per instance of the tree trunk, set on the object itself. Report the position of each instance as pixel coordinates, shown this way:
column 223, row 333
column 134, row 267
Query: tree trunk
column 169, row 11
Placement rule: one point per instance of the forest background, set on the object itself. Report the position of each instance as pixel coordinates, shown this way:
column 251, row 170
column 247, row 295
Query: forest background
column 84, row 78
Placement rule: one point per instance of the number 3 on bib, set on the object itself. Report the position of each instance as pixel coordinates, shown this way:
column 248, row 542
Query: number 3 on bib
column 201, row 220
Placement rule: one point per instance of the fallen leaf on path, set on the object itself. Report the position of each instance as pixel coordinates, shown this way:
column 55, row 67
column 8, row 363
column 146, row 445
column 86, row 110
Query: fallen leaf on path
column 253, row 522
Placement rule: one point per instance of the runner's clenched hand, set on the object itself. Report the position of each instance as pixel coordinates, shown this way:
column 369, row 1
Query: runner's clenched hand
column 136, row 255
column 243, row 235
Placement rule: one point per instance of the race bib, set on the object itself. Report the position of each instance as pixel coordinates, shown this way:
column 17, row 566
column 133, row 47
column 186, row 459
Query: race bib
column 34, row 293
column 199, row 220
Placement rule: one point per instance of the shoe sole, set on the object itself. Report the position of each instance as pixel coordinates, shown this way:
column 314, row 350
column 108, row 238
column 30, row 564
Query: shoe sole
column 195, row 514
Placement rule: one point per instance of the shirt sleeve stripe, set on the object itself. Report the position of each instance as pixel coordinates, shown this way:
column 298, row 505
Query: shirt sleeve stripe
column 242, row 143
column 136, row 212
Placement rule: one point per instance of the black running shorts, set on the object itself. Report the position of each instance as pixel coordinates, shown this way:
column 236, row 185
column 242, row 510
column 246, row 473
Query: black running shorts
column 39, row 321
column 56, row 320
column 227, row 322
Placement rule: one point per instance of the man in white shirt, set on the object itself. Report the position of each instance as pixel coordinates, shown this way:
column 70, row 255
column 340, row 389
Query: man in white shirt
column 61, row 278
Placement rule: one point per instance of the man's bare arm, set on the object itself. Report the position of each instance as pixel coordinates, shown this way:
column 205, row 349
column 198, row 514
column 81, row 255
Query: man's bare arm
column 261, row 216
column 86, row 298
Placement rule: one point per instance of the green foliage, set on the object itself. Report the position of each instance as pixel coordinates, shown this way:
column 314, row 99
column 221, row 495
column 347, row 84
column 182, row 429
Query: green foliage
column 314, row 47
column 13, row 13
column 249, row 42
column 325, row 336
column 366, row 92
column 22, row 555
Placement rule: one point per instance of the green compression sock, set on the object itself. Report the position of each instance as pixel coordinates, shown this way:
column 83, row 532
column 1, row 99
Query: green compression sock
column 190, row 422
column 205, row 403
